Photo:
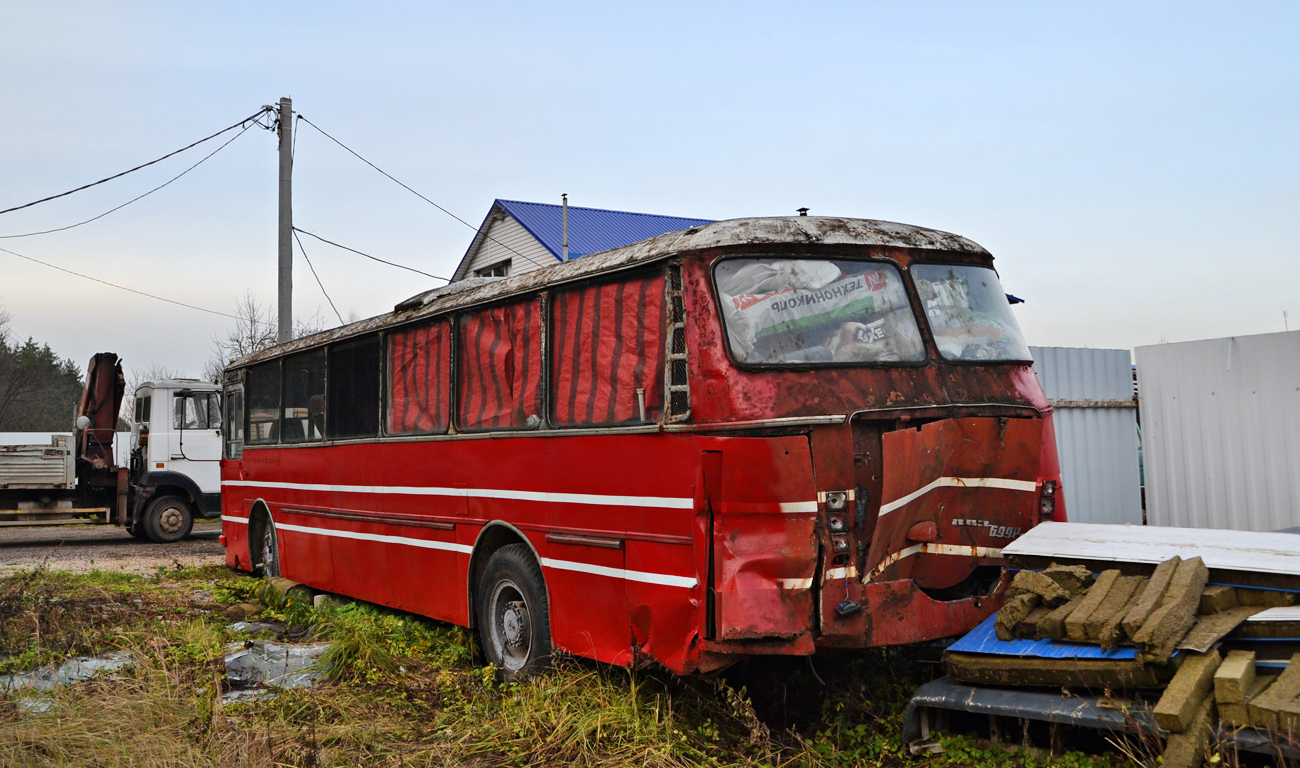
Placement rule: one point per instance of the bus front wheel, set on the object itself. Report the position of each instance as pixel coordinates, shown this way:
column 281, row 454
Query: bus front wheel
column 514, row 623
column 267, row 557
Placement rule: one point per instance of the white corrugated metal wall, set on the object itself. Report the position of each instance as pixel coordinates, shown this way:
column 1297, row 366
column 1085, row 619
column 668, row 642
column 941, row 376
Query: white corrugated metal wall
column 1091, row 391
column 1221, row 432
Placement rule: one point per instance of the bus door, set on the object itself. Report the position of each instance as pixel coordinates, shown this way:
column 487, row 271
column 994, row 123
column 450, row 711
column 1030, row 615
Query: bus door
column 763, row 509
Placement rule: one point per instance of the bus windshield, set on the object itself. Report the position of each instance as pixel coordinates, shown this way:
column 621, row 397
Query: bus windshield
column 802, row 311
column 969, row 313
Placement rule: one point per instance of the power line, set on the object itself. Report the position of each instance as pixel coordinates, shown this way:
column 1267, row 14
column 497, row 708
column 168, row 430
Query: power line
column 134, row 199
column 477, row 230
column 130, row 290
column 318, row 282
column 368, row 256
column 248, row 119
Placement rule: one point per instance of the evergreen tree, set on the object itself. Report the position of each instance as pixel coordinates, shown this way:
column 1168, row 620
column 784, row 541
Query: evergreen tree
column 39, row 391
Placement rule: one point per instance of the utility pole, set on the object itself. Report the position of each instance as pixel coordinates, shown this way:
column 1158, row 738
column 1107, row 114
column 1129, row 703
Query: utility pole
column 285, row 307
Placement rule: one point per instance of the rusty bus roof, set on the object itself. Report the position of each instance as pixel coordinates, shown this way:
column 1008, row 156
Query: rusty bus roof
column 776, row 230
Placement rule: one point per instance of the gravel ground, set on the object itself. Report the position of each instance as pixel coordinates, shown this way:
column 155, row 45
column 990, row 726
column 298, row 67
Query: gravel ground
column 82, row 548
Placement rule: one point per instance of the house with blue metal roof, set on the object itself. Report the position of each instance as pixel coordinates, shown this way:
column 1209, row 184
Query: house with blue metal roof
column 518, row 237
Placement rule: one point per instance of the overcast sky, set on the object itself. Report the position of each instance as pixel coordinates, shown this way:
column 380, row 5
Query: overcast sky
column 1134, row 168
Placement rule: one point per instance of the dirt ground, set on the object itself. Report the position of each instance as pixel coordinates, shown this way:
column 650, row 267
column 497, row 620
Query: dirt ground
column 83, row 548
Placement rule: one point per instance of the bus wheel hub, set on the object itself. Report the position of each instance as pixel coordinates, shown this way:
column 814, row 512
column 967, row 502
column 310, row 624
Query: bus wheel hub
column 515, row 623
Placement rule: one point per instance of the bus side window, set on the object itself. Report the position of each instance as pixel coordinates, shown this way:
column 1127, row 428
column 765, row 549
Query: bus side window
column 263, row 392
column 353, row 406
column 304, row 397
column 499, row 367
column 419, row 380
column 609, row 346
column 142, row 410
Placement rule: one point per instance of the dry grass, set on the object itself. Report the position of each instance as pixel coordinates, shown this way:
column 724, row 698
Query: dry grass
column 404, row 691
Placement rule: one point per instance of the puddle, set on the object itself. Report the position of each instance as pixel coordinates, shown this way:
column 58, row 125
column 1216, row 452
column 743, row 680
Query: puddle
column 258, row 664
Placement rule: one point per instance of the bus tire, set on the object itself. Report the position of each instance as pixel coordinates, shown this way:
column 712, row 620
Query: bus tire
column 266, row 557
column 513, row 618
column 168, row 519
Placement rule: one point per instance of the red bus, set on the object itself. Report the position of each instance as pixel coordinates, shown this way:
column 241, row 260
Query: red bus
column 757, row 436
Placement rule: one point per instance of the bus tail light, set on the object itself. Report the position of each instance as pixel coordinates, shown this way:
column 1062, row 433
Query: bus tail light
column 1047, row 501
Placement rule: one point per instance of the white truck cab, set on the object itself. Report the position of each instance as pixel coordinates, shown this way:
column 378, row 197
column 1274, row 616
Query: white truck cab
column 175, row 457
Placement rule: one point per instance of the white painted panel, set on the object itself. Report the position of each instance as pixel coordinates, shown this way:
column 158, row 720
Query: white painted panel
column 1229, row 550
column 1221, row 432
column 506, row 239
column 1097, row 446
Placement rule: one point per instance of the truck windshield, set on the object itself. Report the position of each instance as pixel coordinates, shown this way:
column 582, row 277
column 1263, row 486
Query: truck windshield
column 802, row 311
column 969, row 313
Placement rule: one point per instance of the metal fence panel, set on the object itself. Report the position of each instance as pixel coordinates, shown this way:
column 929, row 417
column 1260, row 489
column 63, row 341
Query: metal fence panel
column 1091, row 391
column 1221, row 432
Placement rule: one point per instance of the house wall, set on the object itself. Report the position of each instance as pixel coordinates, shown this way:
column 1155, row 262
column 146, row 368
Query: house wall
column 1221, row 432
column 507, row 239
column 1091, row 391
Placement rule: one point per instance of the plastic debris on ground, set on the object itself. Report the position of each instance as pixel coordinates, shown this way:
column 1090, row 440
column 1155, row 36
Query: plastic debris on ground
column 251, row 627
column 75, row 670
column 256, row 665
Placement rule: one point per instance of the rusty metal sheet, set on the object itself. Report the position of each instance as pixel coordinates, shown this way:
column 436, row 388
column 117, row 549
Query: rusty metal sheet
column 976, row 479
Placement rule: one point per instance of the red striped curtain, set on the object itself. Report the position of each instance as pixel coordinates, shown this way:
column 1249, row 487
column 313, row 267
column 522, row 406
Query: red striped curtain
column 609, row 341
column 419, row 379
column 499, row 367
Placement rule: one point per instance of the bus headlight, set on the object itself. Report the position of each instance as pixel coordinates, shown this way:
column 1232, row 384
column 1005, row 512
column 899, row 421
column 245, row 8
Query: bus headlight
column 840, row 543
column 837, row 523
column 837, row 500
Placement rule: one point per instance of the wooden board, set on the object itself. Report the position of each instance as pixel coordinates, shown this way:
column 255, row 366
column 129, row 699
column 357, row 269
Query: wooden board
column 1275, row 556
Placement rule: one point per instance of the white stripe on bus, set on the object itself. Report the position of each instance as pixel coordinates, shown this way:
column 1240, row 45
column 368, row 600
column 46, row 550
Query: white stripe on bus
column 932, row 549
column 563, row 565
column 663, row 502
column 619, row 573
column 233, row 519
column 798, row 506
column 960, row 482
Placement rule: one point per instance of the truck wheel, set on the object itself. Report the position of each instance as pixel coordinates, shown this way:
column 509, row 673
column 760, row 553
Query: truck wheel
column 514, row 622
column 168, row 519
column 268, row 551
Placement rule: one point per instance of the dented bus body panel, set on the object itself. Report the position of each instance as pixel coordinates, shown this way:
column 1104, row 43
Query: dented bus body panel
column 791, row 507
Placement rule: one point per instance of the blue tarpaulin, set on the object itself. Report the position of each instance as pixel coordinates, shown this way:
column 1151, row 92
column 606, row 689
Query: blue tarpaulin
column 984, row 639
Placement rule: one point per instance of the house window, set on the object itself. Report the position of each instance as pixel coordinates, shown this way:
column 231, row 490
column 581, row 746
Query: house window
column 500, row 269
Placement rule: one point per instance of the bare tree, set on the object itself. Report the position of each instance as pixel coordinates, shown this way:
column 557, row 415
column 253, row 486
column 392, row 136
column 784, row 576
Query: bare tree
column 254, row 329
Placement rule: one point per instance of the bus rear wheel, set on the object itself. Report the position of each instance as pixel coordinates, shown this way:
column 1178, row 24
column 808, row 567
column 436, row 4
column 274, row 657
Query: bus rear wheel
column 168, row 519
column 514, row 622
